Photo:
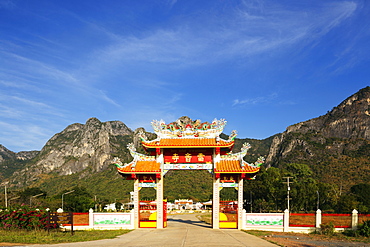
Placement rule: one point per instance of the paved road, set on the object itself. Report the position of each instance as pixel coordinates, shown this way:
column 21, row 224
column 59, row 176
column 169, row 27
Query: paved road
column 182, row 230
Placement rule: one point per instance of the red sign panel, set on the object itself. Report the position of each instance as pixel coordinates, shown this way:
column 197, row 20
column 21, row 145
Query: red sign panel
column 182, row 156
column 150, row 178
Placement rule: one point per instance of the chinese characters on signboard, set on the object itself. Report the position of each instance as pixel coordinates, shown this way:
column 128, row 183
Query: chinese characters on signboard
column 184, row 156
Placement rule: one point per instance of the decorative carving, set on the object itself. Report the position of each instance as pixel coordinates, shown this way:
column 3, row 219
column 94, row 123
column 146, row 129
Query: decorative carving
column 185, row 127
column 233, row 135
column 259, row 161
column 237, row 156
column 142, row 135
column 138, row 156
column 117, row 162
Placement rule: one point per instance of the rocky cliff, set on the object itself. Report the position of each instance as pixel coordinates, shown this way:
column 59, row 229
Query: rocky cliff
column 6, row 154
column 10, row 161
column 339, row 138
column 77, row 148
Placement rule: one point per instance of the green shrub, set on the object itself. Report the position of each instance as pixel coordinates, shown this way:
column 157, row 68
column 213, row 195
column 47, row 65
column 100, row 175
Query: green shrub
column 23, row 218
column 364, row 229
column 327, row 228
column 350, row 233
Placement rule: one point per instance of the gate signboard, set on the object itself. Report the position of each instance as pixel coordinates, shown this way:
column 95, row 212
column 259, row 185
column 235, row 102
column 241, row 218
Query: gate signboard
column 61, row 219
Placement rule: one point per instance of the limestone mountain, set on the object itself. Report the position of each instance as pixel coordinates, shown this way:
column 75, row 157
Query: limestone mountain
column 81, row 155
column 79, row 148
column 6, row 154
column 336, row 145
column 9, row 161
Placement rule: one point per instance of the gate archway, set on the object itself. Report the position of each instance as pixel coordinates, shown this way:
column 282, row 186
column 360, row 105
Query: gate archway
column 188, row 145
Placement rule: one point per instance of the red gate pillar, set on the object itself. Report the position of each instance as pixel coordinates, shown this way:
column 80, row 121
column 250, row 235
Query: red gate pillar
column 240, row 203
column 160, row 202
column 136, row 203
column 216, row 203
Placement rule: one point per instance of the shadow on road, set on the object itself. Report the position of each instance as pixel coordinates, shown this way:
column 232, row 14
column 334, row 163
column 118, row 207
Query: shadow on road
column 190, row 222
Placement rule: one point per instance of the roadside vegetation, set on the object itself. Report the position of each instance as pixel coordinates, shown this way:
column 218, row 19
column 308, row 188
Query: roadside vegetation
column 56, row 236
column 27, row 225
column 280, row 237
column 362, row 234
column 205, row 217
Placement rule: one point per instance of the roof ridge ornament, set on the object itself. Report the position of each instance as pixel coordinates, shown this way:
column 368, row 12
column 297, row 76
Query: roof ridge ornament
column 259, row 161
column 138, row 156
column 141, row 134
column 117, row 162
column 232, row 136
column 237, row 156
column 189, row 128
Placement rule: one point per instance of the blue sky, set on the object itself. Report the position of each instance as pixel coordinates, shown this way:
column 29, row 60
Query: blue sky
column 261, row 65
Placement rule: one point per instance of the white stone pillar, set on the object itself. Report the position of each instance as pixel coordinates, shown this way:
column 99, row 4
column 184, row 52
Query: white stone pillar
column 286, row 220
column 318, row 219
column 244, row 219
column 216, row 204
column 354, row 219
column 160, row 202
column 240, row 204
column 91, row 218
column 136, row 203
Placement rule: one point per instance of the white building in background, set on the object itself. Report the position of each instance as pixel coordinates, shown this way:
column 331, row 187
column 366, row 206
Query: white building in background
column 184, row 204
column 109, row 207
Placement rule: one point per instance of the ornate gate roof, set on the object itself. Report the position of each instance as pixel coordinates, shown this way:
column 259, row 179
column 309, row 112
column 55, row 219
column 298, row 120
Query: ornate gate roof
column 185, row 139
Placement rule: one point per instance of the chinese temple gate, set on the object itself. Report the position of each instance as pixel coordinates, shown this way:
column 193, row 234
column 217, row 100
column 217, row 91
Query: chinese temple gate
column 188, row 145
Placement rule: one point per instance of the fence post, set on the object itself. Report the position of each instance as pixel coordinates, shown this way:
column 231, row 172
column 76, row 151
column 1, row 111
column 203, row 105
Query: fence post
column 243, row 219
column 286, row 220
column 91, row 218
column 318, row 219
column 354, row 219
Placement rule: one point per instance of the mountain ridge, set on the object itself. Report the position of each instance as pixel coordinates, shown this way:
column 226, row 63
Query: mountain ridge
column 337, row 142
column 340, row 136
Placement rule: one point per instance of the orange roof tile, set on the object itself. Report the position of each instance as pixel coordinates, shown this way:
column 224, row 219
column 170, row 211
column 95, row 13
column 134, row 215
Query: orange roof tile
column 233, row 166
column 141, row 167
column 187, row 142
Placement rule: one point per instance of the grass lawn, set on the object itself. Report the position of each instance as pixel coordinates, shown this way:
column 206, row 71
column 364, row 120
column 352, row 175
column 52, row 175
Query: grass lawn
column 206, row 218
column 56, row 236
column 337, row 237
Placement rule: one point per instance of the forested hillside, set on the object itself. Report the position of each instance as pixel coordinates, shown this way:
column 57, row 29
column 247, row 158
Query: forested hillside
column 336, row 146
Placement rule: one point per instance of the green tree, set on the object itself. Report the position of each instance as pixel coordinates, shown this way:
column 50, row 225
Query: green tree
column 362, row 194
column 304, row 188
column 326, row 197
column 346, row 204
column 78, row 201
column 266, row 192
column 28, row 195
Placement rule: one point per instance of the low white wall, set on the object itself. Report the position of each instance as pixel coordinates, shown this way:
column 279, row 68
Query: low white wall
column 107, row 221
column 263, row 221
column 111, row 220
column 279, row 222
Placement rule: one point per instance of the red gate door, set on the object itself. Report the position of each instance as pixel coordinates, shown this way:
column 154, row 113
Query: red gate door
column 164, row 214
column 228, row 214
column 147, row 214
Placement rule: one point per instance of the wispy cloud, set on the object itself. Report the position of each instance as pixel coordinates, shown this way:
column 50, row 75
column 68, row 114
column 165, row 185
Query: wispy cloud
column 104, row 96
column 28, row 135
column 255, row 101
column 7, row 4
column 241, row 32
column 18, row 107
